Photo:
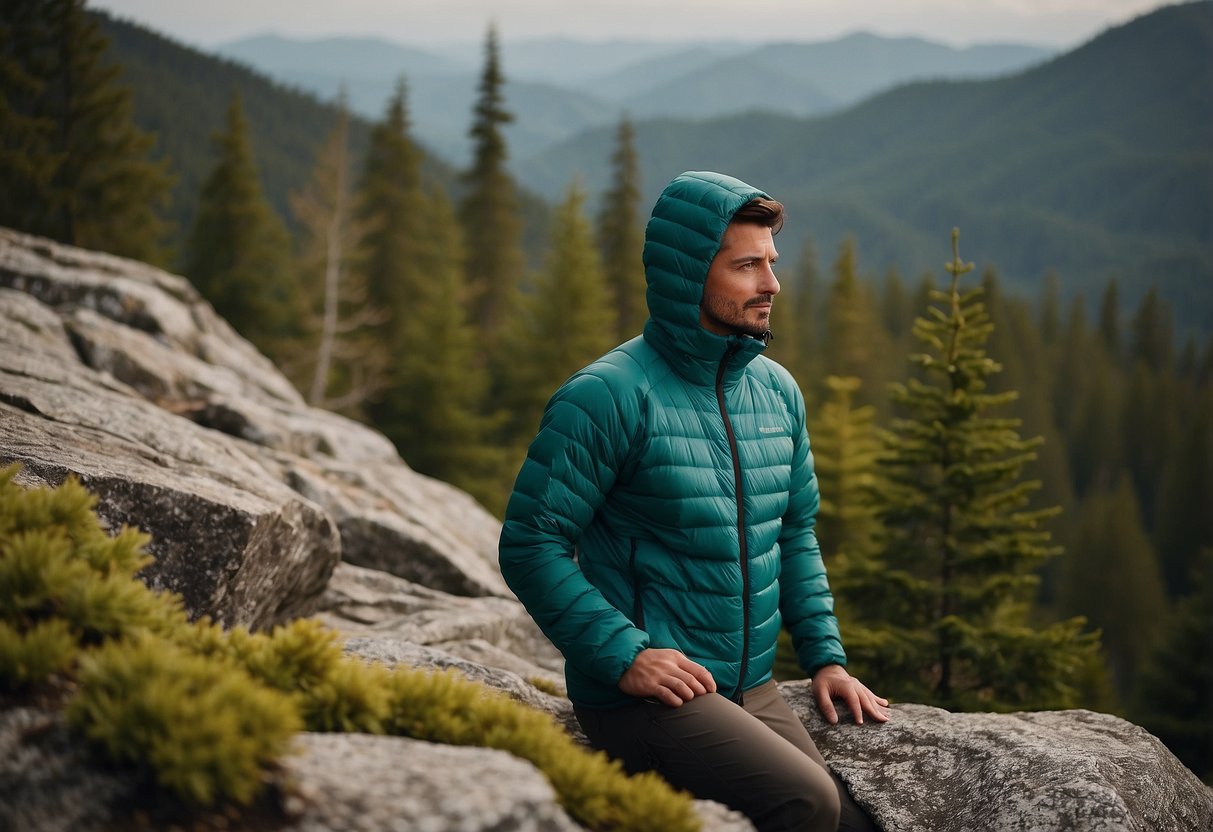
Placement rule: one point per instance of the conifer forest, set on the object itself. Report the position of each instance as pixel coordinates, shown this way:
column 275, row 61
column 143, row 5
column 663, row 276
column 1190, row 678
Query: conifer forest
column 1017, row 486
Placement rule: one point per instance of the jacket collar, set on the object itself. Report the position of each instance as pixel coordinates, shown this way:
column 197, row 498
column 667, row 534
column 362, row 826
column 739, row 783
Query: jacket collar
column 695, row 354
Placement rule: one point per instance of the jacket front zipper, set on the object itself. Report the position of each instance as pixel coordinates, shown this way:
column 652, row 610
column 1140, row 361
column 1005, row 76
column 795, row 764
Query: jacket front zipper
column 637, row 606
column 743, row 548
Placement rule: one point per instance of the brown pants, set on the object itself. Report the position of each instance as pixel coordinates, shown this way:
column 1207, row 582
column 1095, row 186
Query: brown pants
column 756, row 758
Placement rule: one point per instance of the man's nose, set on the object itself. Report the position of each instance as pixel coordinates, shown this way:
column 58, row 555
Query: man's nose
column 769, row 285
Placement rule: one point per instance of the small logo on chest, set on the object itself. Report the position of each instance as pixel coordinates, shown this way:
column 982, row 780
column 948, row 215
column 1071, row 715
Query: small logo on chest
column 770, row 429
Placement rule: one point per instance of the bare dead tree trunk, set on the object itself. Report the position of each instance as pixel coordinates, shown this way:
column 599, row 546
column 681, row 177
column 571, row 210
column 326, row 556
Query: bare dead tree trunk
column 332, row 283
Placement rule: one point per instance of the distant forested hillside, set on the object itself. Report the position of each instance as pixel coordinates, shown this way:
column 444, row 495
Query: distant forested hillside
column 801, row 79
column 181, row 95
column 1095, row 165
column 559, row 88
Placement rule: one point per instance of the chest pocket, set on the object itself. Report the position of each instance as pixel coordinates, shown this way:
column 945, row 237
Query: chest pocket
column 766, row 431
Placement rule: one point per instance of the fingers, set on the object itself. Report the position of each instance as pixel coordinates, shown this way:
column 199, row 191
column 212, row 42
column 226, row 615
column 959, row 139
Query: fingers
column 825, row 703
column 667, row 697
column 851, row 697
column 684, row 685
column 694, row 676
column 685, row 679
column 667, row 676
column 833, row 684
column 693, row 682
column 875, row 706
column 701, row 675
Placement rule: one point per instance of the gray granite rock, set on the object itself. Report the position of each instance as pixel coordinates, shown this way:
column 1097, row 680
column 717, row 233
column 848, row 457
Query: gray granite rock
column 927, row 768
column 716, row 817
column 120, row 374
column 394, row 520
column 49, row 781
column 360, row 783
column 141, row 299
column 367, row 602
column 236, row 543
column 393, row 621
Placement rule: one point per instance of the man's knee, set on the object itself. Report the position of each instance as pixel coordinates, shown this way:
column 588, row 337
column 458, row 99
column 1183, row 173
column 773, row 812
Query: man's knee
column 802, row 799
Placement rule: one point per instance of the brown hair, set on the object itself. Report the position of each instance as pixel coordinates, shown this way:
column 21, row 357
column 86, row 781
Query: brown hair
column 761, row 211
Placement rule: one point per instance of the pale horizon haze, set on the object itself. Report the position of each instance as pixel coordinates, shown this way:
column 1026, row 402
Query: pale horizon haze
column 1052, row 23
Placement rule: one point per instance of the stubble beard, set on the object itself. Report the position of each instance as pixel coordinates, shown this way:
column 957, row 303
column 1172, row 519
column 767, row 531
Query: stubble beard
column 731, row 316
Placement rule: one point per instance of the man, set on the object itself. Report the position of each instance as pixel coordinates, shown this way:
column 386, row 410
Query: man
column 661, row 529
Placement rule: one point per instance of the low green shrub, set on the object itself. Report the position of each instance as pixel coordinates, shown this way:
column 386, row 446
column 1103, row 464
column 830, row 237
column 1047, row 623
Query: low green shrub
column 34, row 655
column 205, row 729
column 206, row 711
column 304, row 658
column 65, row 583
column 546, row 685
column 446, row 707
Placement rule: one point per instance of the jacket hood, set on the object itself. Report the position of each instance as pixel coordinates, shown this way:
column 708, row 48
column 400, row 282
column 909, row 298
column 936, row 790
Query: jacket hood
column 681, row 239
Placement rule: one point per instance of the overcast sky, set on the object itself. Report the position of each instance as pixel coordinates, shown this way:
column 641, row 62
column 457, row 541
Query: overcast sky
column 958, row 22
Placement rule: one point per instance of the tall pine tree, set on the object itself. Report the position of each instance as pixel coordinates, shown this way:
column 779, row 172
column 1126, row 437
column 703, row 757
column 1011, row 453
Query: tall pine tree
column 1096, row 444
column 1174, row 691
column 563, row 322
column 856, row 344
column 433, row 408
column 845, row 451
column 1184, row 524
column 1204, row 367
column 1028, row 371
column 942, row 611
column 394, row 214
column 621, row 236
column 412, row 258
column 28, row 160
column 1050, row 310
column 1154, row 332
column 1087, row 400
column 391, row 209
column 1150, row 425
column 1070, row 367
column 1110, row 576
column 1109, row 321
column 895, row 311
column 239, row 253
column 795, row 319
column 74, row 165
column 489, row 209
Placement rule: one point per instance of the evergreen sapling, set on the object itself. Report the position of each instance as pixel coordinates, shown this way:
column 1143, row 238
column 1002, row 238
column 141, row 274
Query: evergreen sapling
column 942, row 607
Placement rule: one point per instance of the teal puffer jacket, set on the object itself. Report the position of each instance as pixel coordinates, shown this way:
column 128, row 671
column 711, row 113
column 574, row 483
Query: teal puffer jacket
column 668, row 499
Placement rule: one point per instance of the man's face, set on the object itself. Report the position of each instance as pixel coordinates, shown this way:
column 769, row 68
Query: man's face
column 741, row 284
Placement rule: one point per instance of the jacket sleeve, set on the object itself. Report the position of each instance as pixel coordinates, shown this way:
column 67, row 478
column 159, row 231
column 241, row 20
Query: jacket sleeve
column 570, row 466
column 805, row 601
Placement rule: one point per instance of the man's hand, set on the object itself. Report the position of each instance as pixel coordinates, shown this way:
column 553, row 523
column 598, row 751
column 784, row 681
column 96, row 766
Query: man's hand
column 833, row 682
column 667, row 676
